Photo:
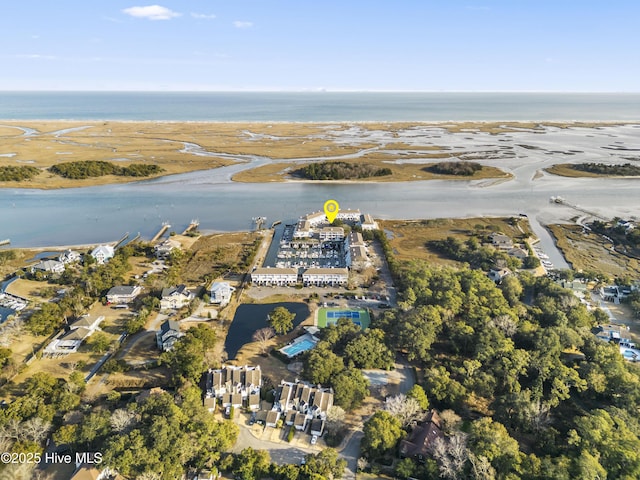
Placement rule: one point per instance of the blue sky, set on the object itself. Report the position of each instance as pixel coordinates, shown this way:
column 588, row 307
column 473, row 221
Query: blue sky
column 446, row 45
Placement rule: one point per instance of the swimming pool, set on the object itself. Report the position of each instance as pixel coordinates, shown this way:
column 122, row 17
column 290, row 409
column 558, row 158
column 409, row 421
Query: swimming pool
column 298, row 347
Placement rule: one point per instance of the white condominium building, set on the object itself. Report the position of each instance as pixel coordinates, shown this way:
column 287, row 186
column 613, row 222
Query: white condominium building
column 325, row 276
column 331, row 234
column 274, row 276
column 349, row 215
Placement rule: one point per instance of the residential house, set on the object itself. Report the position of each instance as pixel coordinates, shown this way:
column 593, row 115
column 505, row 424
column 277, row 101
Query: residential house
column 302, row 403
column 421, row 439
column 272, row 418
column 163, row 250
column 70, row 340
column 497, row 274
column 123, row 294
column 518, row 253
column 317, row 427
column 235, row 386
column 176, row 297
column 69, row 256
column 168, row 335
column 325, row 276
column 103, row 253
column 501, row 241
column 275, row 276
column 48, row 266
column 87, row 472
column 220, row 293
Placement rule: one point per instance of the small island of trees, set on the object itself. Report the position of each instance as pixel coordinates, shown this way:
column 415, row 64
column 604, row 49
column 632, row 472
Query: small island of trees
column 466, row 169
column 341, row 171
column 12, row 173
column 90, row 168
column 625, row 170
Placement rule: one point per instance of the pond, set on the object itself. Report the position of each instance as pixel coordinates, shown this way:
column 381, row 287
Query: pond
column 250, row 317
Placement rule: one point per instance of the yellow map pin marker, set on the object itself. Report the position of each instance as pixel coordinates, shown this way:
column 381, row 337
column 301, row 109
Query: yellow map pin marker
column 331, row 209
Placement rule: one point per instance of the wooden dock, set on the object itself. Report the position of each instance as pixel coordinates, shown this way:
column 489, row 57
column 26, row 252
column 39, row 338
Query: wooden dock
column 163, row 230
column 192, row 226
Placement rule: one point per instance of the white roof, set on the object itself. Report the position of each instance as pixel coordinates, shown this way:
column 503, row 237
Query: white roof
column 106, row 250
column 218, row 286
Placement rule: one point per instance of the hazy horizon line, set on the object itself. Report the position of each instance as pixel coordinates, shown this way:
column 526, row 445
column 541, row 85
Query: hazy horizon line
column 309, row 90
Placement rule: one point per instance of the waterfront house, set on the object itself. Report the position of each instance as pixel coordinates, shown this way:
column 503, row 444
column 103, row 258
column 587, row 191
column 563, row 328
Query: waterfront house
column 168, row 335
column 164, row 249
column 69, row 256
column 518, row 253
column 220, row 293
column 48, row 266
column 123, row 294
column 501, row 241
column 103, row 253
column 176, row 297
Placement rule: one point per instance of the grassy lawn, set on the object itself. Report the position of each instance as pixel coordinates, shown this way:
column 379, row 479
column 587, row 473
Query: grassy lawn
column 589, row 251
column 410, row 237
column 323, row 319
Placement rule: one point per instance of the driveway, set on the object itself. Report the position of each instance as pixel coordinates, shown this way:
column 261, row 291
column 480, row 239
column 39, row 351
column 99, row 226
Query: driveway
column 280, row 451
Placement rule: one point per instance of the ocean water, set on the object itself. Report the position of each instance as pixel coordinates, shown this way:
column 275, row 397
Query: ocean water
column 318, row 106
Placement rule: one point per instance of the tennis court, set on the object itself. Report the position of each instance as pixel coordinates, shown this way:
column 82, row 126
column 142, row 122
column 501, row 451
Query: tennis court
column 328, row 316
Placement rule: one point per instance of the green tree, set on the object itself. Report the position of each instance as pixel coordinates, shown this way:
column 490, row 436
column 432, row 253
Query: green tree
column 99, row 342
column 381, row 433
column 491, row 440
column 350, row 388
column 369, row 351
column 320, row 364
column 251, row 464
column 417, row 393
column 281, row 320
column 326, row 464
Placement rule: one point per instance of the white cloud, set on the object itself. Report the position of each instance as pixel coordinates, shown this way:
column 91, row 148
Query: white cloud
column 151, row 12
column 35, row 56
column 203, row 16
column 239, row 24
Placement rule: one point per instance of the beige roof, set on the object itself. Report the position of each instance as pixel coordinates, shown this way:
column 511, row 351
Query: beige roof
column 358, row 252
column 275, row 271
column 86, row 473
column 326, row 271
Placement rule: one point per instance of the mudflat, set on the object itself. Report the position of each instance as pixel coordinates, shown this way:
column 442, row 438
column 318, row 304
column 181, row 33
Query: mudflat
column 180, row 147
